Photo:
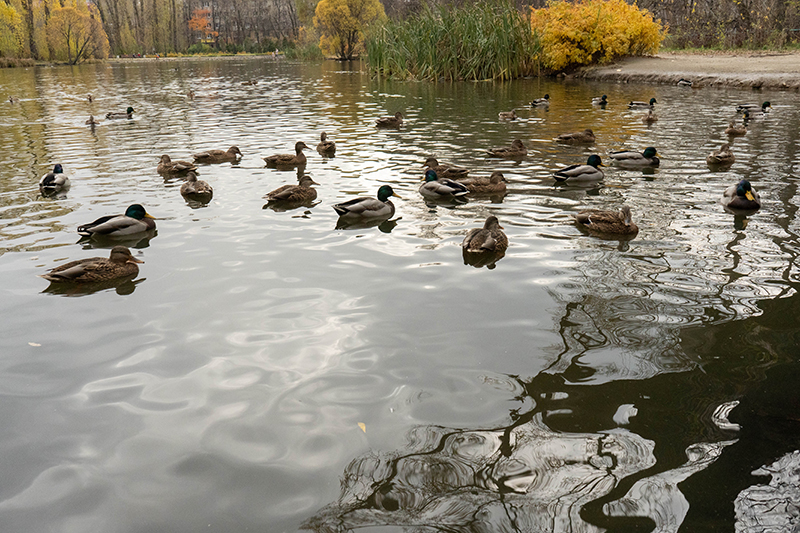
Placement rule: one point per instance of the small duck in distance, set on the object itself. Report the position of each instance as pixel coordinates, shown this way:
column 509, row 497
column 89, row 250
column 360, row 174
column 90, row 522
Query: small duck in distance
column 325, row 147
column 721, row 157
column 435, row 188
column 600, row 100
column 232, row 154
column 54, row 181
column 737, row 130
column 602, row 222
column 297, row 159
column 91, row 121
column 508, row 115
column 581, row 173
column 444, row 170
column 634, row 103
column 579, row 137
column 754, row 109
column 390, row 122
column 741, row 198
column 684, row 83
column 120, row 264
column 650, row 117
column 489, row 238
column 367, row 207
column 633, row 159
column 541, row 102
column 517, row 150
column 127, row 114
column 89, row 97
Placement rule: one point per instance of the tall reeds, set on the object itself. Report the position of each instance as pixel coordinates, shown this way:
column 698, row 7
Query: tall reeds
column 483, row 41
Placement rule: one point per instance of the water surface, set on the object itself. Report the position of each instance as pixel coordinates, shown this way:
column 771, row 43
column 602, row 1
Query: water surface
column 223, row 390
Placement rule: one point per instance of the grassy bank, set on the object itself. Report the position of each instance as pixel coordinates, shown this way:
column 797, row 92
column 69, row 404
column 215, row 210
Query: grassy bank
column 486, row 41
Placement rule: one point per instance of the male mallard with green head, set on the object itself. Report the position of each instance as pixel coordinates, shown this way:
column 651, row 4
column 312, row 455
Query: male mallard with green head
column 754, row 109
column 440, row 188
column 218, row 156
column 633, row 159
column 120, row 264
column 741, row 197
column 135, row 220
column 650, row 104
column 127, row 114
column 367, row 207
column 600, row 100
column 54, row 181
column 581, row 173
column 541, row 102
column 607, row 222
column 489, row 238
column 298, row 159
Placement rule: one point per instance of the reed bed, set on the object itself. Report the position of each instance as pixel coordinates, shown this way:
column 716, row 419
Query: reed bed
column 483, row 41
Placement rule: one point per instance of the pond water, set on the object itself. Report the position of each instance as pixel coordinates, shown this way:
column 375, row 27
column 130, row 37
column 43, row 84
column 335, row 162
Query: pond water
column 267, row 371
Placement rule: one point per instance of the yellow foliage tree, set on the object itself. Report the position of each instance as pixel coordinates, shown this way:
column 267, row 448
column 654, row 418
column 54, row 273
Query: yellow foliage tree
column 593, row 31
column 76, row 36
column 341, row 24
column 11, row 31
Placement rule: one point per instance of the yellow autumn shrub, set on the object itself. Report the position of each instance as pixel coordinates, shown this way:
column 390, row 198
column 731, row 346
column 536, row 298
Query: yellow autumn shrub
column 593, row 31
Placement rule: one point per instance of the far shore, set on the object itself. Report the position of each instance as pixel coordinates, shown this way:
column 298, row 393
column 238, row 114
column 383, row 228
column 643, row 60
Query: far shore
column 746, row 69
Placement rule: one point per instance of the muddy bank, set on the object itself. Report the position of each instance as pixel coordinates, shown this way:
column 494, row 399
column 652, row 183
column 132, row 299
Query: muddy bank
column 753, row 70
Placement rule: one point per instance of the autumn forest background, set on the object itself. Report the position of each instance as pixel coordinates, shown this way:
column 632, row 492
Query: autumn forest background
column 76, row 30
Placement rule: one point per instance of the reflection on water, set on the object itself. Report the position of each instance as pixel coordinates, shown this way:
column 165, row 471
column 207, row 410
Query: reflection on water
column 228, row 388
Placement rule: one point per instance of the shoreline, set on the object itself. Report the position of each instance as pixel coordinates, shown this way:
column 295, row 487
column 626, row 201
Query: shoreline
column 755, row 70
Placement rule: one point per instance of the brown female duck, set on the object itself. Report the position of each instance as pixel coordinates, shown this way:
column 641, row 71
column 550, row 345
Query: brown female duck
column 297, row 159
column 494, row 184
column 515, row 151
column 168, row 166
column 390, row 122
column 579, row 137
column 300, row 192
column 195, row 189
column 326, row 147
column 444, row 170
column 120, row 264
column 218, row 156
column 607, row 222
column 489, row 238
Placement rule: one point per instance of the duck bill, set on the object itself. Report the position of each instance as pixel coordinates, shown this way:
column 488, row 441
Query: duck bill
column 749, row 196
column 397, row 195
column 148, row 215
column 134, row 260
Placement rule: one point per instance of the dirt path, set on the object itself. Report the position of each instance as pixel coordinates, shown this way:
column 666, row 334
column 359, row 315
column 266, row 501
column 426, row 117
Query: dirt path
column 774, row 70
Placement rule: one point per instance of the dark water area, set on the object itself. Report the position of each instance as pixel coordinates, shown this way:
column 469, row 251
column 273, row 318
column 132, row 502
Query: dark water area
column 269, row 370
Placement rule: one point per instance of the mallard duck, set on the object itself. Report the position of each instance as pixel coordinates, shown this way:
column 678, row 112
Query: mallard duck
column 54, row 181
column 89, row 97
column 120, row 264
column 650, row 117
column 13, row 100
column 508, row 115
column 634, row 103
column 581, row 173
column 607, row 222
column 289, row 160
column 91, row 121
column 516, row 150
column 489, row 238
column 494, row 184
column 440, row 188
column 367, row 207
column 196, row 189
column 579, row 137
column 629, row 158
column 600, row 100
column 390, row 122
column 127, row 114
column 754, row 109
column 684, row 83
column 721, row 157
column 541, row 102
column 741, row 197
column 250, row 82
column 737, row 131
column 168, row 166
column 300, row 192
column 135, row 220
column 325, row 146
column 444, row 170
column 217, row 156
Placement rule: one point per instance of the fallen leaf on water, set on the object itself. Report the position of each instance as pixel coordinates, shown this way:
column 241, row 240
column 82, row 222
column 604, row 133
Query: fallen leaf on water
column 34, row 344
column 363, row 426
